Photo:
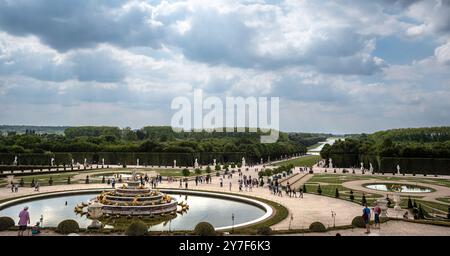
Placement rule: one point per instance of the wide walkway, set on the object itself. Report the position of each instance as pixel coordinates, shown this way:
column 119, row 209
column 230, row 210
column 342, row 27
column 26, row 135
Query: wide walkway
column 303, row 211
column 391, row 228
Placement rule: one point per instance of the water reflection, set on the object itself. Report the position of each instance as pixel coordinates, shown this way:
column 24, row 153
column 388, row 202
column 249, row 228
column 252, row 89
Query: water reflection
column 213, row 210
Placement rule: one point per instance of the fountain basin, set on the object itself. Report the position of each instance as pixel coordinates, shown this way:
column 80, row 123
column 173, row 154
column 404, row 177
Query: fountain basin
column 214, row 208
column 398, row 187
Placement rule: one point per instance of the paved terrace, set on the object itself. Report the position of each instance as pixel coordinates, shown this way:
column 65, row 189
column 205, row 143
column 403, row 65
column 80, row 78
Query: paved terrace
column 304, row 211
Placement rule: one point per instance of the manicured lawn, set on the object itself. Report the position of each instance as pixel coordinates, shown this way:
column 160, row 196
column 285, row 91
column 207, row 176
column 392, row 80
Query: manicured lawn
column 302, row 161
column 175, row 172
column 444, row 199
column 438, row 206
column 61, row 177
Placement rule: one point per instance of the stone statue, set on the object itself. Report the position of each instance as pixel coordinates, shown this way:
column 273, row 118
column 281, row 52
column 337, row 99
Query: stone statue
column 214, row 162
column 330, row 164
column 362, row 166
column 196, row 163
column 15, row 161
column 262, row 161
column 103, row 161
column 174, row 163
column 52, row 161
column 243, row 162
column 137, row 162
column 371, row 167
column 398, row 169
column 73, row 162
column 85, row 162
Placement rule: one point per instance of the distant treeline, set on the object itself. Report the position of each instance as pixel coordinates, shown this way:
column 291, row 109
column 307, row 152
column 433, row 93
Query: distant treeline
column 156, row 140
column 21, row 129
column 416, row 149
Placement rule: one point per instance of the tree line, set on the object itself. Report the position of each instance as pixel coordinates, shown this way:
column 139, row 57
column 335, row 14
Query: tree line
column 155, row 139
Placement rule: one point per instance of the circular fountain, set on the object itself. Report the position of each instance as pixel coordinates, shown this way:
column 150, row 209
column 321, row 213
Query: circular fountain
column 134, row 199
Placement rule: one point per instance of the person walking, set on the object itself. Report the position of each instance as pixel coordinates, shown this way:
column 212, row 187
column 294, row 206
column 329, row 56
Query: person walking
column 24, row 220
column 377, row 212
column 366, row 218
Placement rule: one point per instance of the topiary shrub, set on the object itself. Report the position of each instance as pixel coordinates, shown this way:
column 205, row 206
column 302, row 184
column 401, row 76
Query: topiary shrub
column 208, row 169
column 410, row 203
column 6, row 223
column 204, row 229
column 336, row 194
column 68, row 226
column 358, row 222
column 264, row 231
column 137, row 228
column 198, row 171
column 363, row 199
column 319, row 190
column 352, row 197
column 185, row 172
column 317, row 227
column 304, row 188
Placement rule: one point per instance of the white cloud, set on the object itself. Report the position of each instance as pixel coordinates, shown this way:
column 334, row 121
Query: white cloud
column 442, row 53
column 113, row 59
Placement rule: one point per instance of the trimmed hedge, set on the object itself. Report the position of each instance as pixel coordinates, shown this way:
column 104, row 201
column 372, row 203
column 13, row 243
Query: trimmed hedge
column 358, row 222
column 68, row 226
column 264, row 230
column 6, row 223
column 137, row 228
column 317, row 227
column 204, row 229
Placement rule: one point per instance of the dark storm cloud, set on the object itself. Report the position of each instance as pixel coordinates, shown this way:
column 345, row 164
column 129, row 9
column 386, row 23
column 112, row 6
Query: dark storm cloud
column 68, row 24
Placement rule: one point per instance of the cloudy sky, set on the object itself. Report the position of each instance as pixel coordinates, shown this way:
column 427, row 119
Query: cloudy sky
column 337, row 66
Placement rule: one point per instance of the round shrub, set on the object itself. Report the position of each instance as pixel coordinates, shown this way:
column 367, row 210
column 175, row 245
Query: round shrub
column 185, row 172
column 204, row 229
column 6, row 223
column 68, row 226
column 264, row 230
column 317, row 227
column 137, row 228
column 358, row 222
